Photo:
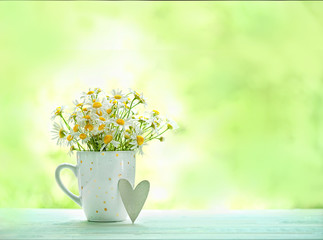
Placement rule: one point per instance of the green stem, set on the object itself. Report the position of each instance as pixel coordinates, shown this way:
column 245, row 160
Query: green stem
column 156, row 135
column 150, row 133
column 89, row 146
column 80, row 146
column 68, row 126
column 130, row 107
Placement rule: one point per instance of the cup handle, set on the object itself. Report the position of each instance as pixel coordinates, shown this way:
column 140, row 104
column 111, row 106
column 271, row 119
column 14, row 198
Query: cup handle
column 75, row 198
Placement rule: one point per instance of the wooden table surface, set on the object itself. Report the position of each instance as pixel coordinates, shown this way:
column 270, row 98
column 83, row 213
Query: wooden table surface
column 158, row 224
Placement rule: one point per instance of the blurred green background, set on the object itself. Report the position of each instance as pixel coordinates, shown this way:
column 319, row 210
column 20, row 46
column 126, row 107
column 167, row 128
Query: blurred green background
column 243, row 80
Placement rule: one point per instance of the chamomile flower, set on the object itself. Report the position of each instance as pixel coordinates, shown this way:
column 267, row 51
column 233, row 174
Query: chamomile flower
column 91, row 93
column 100, row 119
column 171, row 124
column 78, row 104
column 155, row 121
column 85, row 118
column 138, row 140
column 99, row 113
column 139, row 97
column 117, row 97
column 97, row 90
column 71, row 151
column 59, row 133
column 70, row 139
column 109, row 139
column 99, row 128
column 109, row 110
column 57, row 112
column 72, row 117
column 96, row 105
column 120, row 122
column 85, row 137
column 88, row 127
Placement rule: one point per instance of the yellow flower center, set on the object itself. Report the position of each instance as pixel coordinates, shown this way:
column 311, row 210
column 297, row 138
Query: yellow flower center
column 76, row 128
column 88, row 127
column 82, row 135
column 107, row 139
column 101, row 127
column 79, row 105
column 69, row 138
column 97, row 105
column 120, row 121
column 102, row 118
column 117, row 97
column 99, row 112
column 140, row 140
column 90, row 92
column 109, row 110
column 84, row 109
column 58, row 110
column 61, row 133
column 115, row 101
column 156, row 112
column 87, row 117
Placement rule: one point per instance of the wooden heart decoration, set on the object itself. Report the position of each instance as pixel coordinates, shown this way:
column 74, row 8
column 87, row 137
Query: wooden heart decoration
column 133, row 199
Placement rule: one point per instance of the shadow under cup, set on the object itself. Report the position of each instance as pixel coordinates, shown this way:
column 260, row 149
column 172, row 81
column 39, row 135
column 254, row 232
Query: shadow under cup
column 98, row 175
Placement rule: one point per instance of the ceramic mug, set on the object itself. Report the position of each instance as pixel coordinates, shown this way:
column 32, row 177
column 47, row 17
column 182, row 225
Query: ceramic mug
column 98, row 174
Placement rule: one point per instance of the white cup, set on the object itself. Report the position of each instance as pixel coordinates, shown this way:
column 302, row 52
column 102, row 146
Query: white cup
column 98, row 174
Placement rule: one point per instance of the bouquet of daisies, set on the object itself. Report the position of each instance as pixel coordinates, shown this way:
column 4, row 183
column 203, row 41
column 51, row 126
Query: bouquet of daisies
column 101, row 122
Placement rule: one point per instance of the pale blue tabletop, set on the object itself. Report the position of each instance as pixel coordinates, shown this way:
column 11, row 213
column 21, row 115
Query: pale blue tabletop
column 160, row 224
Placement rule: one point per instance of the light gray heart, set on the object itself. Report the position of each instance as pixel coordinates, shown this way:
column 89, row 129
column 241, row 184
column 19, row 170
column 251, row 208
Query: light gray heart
column 133, row 199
